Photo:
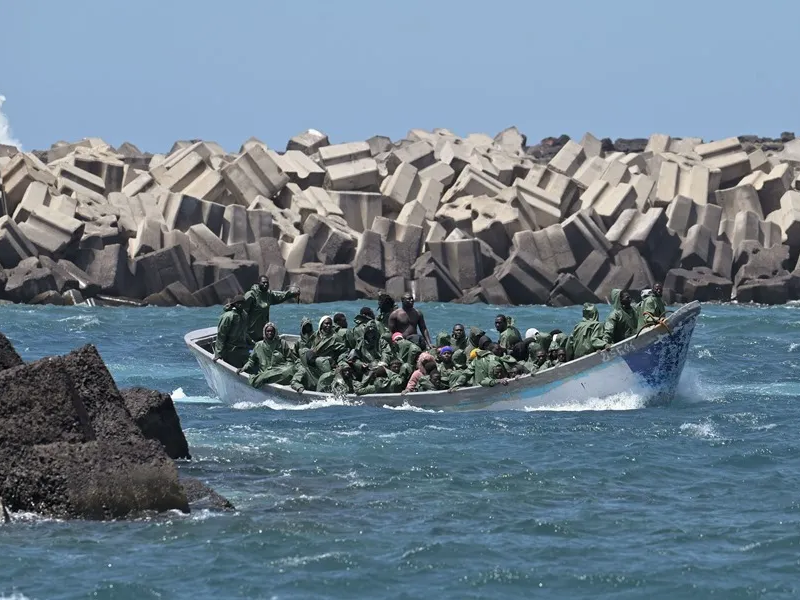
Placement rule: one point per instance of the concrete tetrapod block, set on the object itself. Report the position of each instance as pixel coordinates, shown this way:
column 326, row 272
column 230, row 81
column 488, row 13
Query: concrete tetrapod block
column 359, row 209
column 632, row 264
column 525, row 279
column 775, row 290
column 594, row 269
column 472, row 182
column 569, row 159
column 308, row 142
column 205, row 245
column 149, row 238
column 51, row 231
column 330, row 243
column 161, row 268
column 206, row 272
column 569, row 291
column 300, row 252
column 254, row 174
column 589, row 172
column 439, row 171
column 549, row 245
column 109, row 268
column 368, row 262
column 324, row 283
column 753, row 261
column 218, row 292
column 235, row 224
column 697, row 250
column 68, row 276
column 191, row 175
column 419, row 154
column 299, row 167
column 401, row 187
column 584, row 235
column 14, row 244
column 181, row 212
column 434, row 283
column 29, row 279
column 358, row 175
column 18, row 174
column 462, row 259
column 726, row 155
column 343, row 153
column 698, row 284
column 737, row 199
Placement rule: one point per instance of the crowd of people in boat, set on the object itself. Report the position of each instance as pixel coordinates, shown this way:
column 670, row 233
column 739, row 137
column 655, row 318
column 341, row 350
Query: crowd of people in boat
column 393, row 352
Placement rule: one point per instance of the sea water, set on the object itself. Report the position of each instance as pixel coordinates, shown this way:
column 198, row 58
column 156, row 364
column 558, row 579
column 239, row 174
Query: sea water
column 698, row 499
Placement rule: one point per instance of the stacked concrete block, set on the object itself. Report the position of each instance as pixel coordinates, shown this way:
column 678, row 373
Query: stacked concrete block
column 420, row 154
column 787, row 217
column 14, row 244
column 192, row 176
column 254, row 174
column 350, row 167
column 525, row 279
column 309, row 142
column 359, row 209
column 550, row 246
column 726, row 155
column 18, row 174
column 472, row 182
column 332, row 242
column 52, row 232
column 463, row 259
column 181, row 212
column 299, row 167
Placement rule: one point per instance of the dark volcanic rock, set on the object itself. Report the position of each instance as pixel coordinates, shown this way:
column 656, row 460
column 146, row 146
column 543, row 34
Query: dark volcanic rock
column 8, row 355
column 70, row 447
column 201, row 496
column 155, row 415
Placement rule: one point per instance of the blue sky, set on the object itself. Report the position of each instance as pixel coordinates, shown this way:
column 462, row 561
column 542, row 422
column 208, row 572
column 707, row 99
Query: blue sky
column 152, row 72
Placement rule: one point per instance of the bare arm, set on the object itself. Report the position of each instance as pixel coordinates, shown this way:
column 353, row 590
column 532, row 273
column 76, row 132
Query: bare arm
column 393, row 322
column 423, row 328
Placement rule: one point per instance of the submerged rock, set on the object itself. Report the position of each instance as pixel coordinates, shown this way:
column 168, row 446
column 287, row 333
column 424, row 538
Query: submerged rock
column 155, row 415
column 8, row 355
column 201, row 496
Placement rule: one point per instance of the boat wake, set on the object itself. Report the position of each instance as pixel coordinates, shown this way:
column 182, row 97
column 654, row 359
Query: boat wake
column 179, row 395
column 274, row 404
column 622, row 401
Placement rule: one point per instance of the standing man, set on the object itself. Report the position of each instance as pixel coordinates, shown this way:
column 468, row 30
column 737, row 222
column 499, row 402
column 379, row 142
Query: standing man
column 386, row 307
column 652, row 308
column 257, row 301
column 509, row 335
column 621, row 322
column 407, row 320
column 230, row 344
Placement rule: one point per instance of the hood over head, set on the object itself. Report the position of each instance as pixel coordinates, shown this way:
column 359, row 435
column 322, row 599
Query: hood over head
column 590, row 312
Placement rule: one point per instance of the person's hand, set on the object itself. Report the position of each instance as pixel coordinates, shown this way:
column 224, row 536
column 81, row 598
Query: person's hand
column 504, row 381
column 608, row 347
column 239, row 370
column 300, row 390
column 215, row 359
column 404, row 393
column 294, row 291
column 454, row 388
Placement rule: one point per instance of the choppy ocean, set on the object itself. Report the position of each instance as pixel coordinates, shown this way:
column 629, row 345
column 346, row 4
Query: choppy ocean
column 698, row 499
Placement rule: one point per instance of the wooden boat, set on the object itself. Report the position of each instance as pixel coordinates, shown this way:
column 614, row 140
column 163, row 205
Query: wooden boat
column 648, row 365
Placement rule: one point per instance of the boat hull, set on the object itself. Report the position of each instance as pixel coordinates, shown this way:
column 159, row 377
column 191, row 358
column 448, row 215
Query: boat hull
column 648, row 366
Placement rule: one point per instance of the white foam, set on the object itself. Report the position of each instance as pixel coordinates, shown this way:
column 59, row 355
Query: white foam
column 14, row 595
column 6, row 136
column 408, row 407
column 178, row 394
column 793, row 346
column 622, row 401
column 326, row 402
column 703, row 431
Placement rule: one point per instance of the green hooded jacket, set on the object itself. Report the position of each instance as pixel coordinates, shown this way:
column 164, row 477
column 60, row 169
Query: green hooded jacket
column 509, row 336
column 272, row 361
column 256, row 305
column 333, row 383
column 425, row 384
column 405, row 350
column 653, row 305
column 328, row 347
column 230, row 344
column 479, row 370
column 307, row 337
column 371, row 348
column 588, row 335
column 620, row 323
column 359, row 324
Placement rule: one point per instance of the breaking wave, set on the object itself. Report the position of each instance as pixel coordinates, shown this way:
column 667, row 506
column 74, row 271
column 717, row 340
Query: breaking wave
column 623, row 401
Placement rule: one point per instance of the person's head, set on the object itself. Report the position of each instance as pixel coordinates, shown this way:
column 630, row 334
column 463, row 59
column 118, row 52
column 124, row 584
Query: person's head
column 366, row 311
column 385, row 303
column 561, row 355
column 541, row 357
column 520, row 350
column 458, row 332
column 436, row 378
column 483, row 342
column 532, row 334
column 590, row 312
column 346, row 371
column 625, row 299
column 263, row 283
column 326, row 324
column 340, row 319
column 498, row 372
column 497, row 349
column 551, row 354
column 501, row 323
column 429, row 366
column 379, row 370
column 371, row 332
column 446, row 354
column 658, row 289
column 408, row 301
column 396, row 337
column 306, row 327
column 270, row 331
column 236, row 303
column 555, row 332
column 395, row 365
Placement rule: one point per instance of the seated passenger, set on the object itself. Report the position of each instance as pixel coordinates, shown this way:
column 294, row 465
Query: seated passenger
column 378, row 381
column 477, row 369
column 561, row 357
column 328, row 347
column 306, row 341
column 398, row 374
column 432, row 382
column 405, row 350
column 587, row 337
column 361, row 319
column 473, row 342
column 425, row 364
column 307, row 372
column 510, row 364
column 338, row 382
column 447, row 366
column 370, row 347
column 272, row 360
column 509, row 335
column 651, row 308
column 231, row 344
column 622, row 321
column 539, row 362
column 342, row 332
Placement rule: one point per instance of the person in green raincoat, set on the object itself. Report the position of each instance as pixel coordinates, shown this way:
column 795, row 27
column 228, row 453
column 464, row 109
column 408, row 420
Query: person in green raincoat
column 622, row 321
column 306, row 341
column 558, row 342
column 381, row 380
column 360, row 322
column 478, row 369
column 509, row 335
column 457, row 340
column 510, row 364
column 403, row 349
column 328, row 347
column 272, row 360
column 651, row 308
column 257, row 302
column 447, row 367
column 539, row 361
column 432, row 382
column 231, row 344
column 371, row 348
column 587, row 336
column 340, row 381
column 342, row 331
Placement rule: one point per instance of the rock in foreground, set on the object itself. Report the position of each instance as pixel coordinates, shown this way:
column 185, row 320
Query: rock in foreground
column 155, row 415
column 71, row 449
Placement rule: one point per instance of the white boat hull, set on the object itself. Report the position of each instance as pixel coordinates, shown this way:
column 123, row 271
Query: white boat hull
column 648, row 366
